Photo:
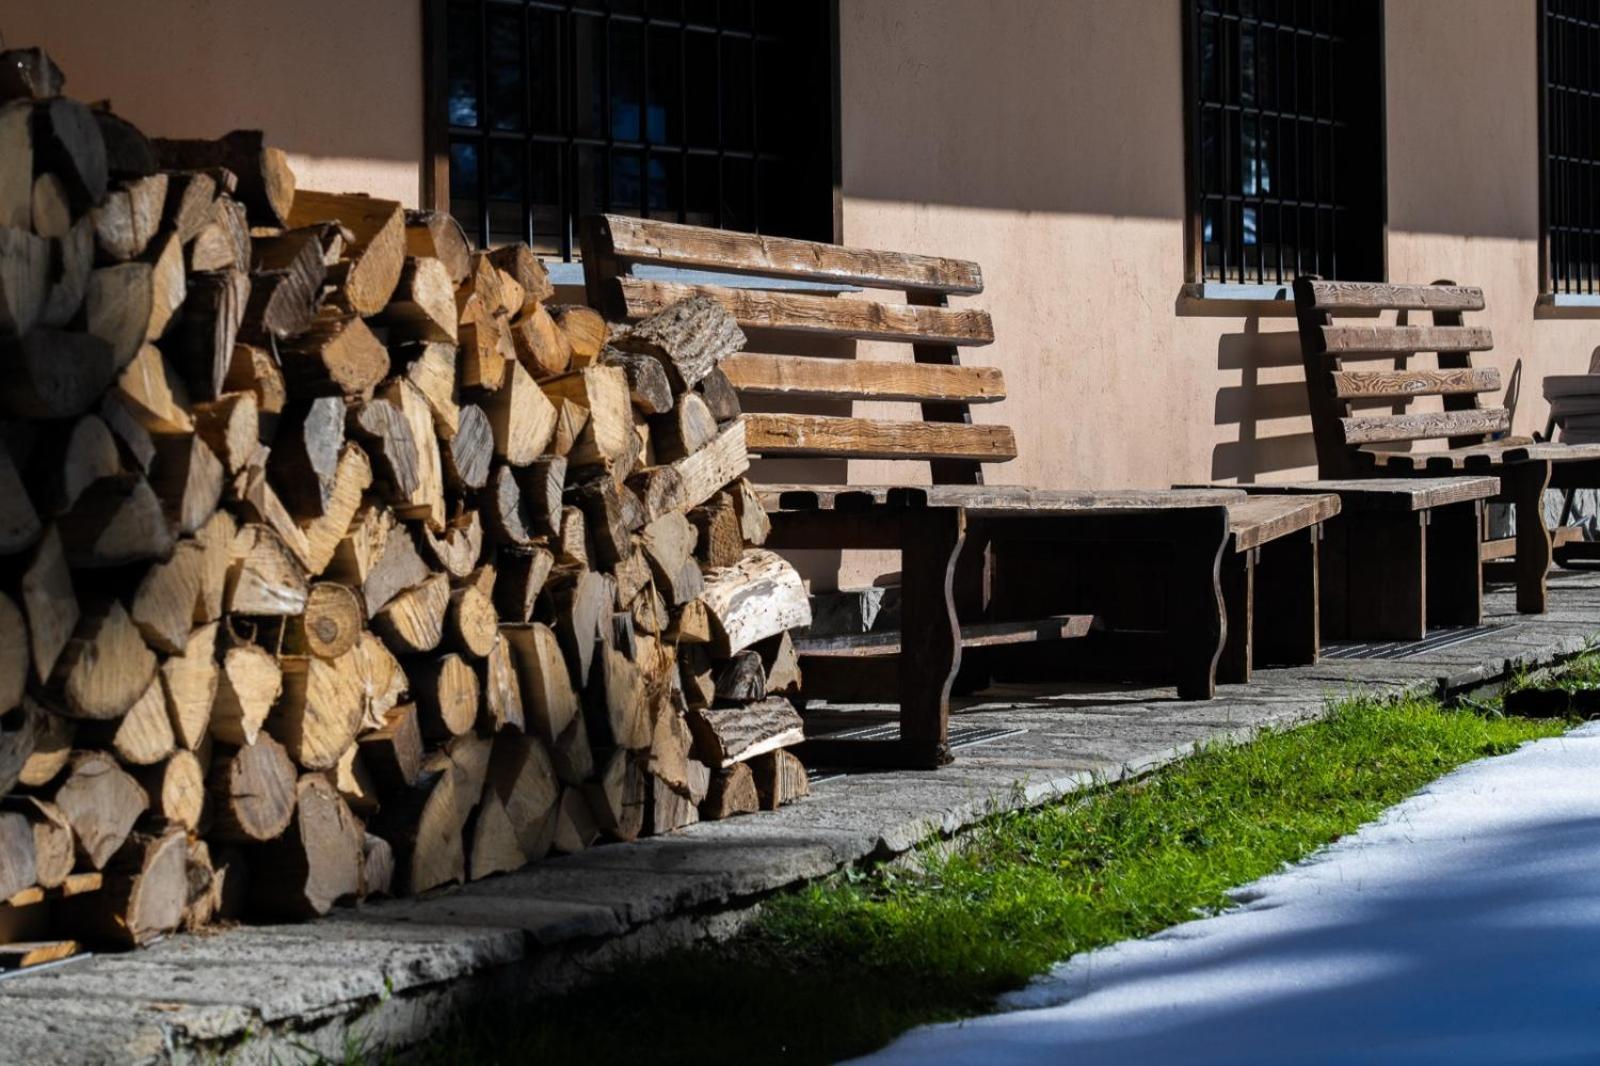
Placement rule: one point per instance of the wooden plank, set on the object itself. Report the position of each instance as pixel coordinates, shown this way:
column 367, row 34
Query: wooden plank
column 994, row 500
column 864, row 438
column 23, row 954
column 1384, row 384
column 1341, row 339
column 694, row 247
column 978, row 635
column 1381, row 429
column 860, row 379
column 825, row 316
column 1365, row 296
column 1390, row 494
column 1255, row 520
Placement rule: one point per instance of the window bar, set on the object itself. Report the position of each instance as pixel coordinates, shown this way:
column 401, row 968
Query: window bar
column 683, row 112
column 527, row 127
column 755, row 121
column 722, row 136
column 568, row 152
column 482, row 139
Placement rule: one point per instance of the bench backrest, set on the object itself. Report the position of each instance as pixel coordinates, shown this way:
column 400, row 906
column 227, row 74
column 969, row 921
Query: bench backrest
column 1357, row 406
column 945, row 436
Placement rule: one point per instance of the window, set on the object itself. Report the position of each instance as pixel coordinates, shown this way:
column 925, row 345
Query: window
column 1570, row 61
column 712, row 112
column 1285, row 162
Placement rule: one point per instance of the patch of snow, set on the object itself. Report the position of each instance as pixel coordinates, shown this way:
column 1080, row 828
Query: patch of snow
column 1461, row 927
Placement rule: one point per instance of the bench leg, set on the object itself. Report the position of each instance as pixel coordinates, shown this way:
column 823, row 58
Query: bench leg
column 1197, row 615
column 1455, row 585
column 1287, row 611
column 1524, row 485
column 1333, row 580
column 930, row 632
column 1238, row 598
column 1387, row 574
column 973, row 596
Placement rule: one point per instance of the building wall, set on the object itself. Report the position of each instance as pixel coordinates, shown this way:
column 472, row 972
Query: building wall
column 336, row 83
column 1043, row 138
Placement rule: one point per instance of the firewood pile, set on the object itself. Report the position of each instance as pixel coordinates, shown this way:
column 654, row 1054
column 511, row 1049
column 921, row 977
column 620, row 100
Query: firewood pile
column 333, row 561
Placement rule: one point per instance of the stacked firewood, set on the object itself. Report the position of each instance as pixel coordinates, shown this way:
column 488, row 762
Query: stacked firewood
column 334, row 562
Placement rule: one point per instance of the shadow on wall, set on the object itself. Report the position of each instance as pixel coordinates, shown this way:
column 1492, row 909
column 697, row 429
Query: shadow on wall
column 1252, row 401
column 1014, row 104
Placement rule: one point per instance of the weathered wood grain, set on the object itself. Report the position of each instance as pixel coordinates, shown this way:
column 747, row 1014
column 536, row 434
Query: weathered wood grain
column 1432, row 425
column 825, row 316
column 1382, row 384
column 865, row 438
column 859, row 379
column 1406, row 339
column 1365, row 295
column 671, row 244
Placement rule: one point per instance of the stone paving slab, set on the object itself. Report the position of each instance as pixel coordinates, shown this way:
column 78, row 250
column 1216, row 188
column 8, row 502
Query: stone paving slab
column 388, row 973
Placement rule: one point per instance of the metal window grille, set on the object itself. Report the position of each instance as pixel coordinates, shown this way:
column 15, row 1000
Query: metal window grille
column 1286, row 139
column 711, row 112
column 1571, row 65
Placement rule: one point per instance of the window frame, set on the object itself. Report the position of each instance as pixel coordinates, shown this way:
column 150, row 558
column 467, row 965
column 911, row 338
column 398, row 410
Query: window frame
column 436, row 125
column 1196, row 283
column 1549, row 294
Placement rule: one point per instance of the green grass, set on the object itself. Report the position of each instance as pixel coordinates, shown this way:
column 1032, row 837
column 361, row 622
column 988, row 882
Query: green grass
column 841, row 967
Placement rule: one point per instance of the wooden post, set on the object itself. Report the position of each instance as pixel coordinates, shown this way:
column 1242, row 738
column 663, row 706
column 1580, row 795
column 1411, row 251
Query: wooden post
column 1455, row 591
column 930, row 631
column 1387, row 574
column 1238, row 597
column 1523, row 484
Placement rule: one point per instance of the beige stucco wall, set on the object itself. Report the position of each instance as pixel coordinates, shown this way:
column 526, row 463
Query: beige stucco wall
column 337, row 83
column 1043, row 138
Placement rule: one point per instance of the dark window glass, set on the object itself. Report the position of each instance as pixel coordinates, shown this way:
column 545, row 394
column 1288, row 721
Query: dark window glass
column 711, row 112
column 1286, row 136
column 1571, row 63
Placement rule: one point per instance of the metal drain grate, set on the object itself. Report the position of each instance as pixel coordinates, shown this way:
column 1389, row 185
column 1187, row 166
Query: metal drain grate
column 1438, row 640
column 961, row 736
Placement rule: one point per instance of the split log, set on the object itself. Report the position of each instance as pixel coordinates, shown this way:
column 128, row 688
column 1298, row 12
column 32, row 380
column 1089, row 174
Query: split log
column 143, row 895
column 525, row 269
column 18, row 864
column 128, row 151
column 330, row 625
column 176, row 789
column 726, row 735
column 471, row 451
column 317, row 716
column 317, row 862
column 781, row 664
column 690, row 338
column 383, row 681
column 583, row 600
column 117, row 306
column 648, row 385
column 754, row 525
column 688, row 428
column 439, row 235
column 520, row 578
column 575, row 825
column 52, row 615
column 143, row 736
column 73, row 262
column 375, row 256
column 130, row 217
column 117, row 520
column 255, row 371
column 378, row 556
column 423, row 307
column 424, row 501
column 265, row 578
column 669, row 810
column 53, row 373
column 41, row 741
column 741, row 677
column 16, row 165
column 325, row 535
column 432, row 369
column 224, row 242
column 13, row 654
column 101, row 802
column 354, row 783
column 215, row 539
column 336, row 354
column 780, row 778
column 231, row 426
column 461, row 546
column 68, row 142
column 393, row 753
column 494, row 848
column 760, row 597
column 304, row 464
column 448, row 696
column 486, row 353
column 617, row 798
column 24, row 280
column 541, row 347
column 168, row 282
column 607, row 438
column 202, row 340
column 696, row 676
column 413, row 621
column 190, row 194
column 733, row 791
column 154, row 394
column 252, row 792
column 187, row 477
column 625, row 722
column 721, row 540
column 287, row 275
column 670, row 744
column 104, row 668
column 377, row 866
column 266, row 184
column 549, row 700
column 53, row 852
column 502, row 694
column 424, row 825
column 248, row 684
column 586, row 331
column 609, row 520
column 19, row 519
column 190, row 683
column 521, row 418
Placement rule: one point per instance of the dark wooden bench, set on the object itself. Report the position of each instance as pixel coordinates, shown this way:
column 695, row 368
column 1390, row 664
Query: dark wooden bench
column 1361, row 382
column 1135, row 571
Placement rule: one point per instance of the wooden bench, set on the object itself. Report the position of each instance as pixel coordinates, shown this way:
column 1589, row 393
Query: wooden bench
column 1361, row 385
column 1402, row 555
column 1142, row 571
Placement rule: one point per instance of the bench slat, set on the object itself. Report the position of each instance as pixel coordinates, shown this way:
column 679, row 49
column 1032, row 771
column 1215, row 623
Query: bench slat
column 672, row 244
column 1384, row 429
column 1339, row 339
column 975, row 635
column 856, row 379
column 826, row 316
column 1367, row 295
column 1383, row 384
column 1256, row 520
column 775, row 435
